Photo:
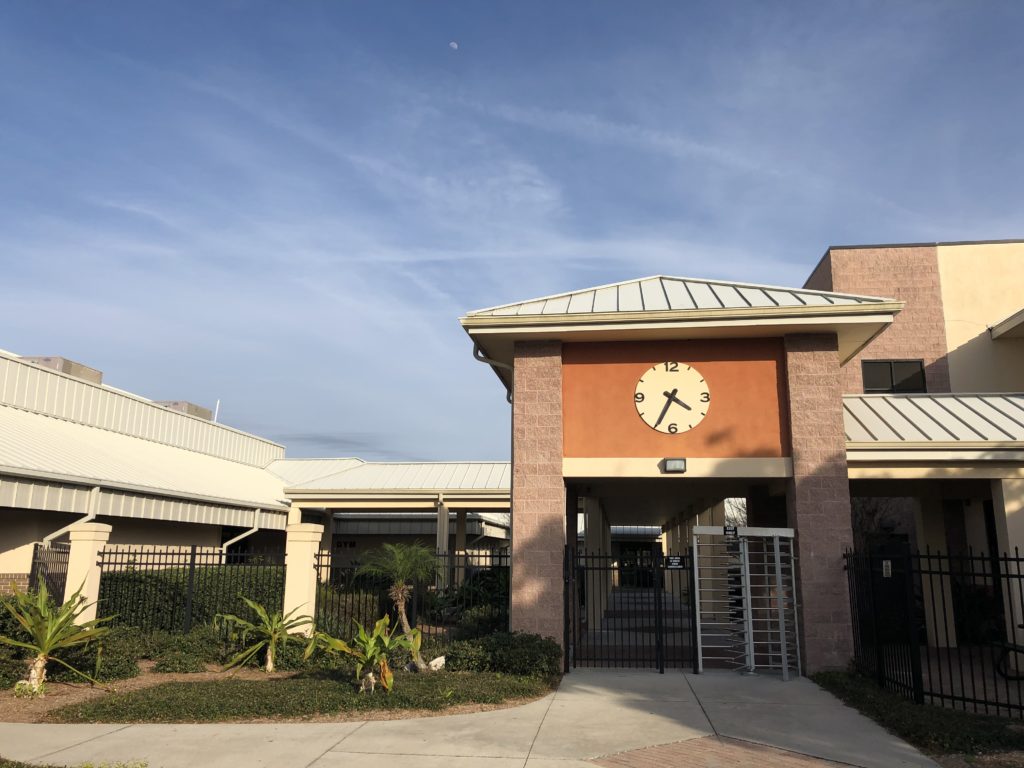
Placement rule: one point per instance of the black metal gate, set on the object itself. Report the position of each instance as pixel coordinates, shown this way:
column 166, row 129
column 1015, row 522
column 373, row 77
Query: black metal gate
column 634, row 612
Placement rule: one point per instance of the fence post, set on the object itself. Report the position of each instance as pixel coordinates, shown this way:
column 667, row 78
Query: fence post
column 190, row 589
column 912, row 639
column 87, row 539
column 658, row 567
column 300, row 574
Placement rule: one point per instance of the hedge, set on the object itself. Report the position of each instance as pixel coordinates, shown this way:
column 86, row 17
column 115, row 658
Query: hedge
column 511, row 653
column 156, row 599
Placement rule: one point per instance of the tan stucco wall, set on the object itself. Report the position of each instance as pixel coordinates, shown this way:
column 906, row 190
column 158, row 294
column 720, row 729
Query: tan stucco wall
column 159, row 533
column 982, row 284
column 20, row 529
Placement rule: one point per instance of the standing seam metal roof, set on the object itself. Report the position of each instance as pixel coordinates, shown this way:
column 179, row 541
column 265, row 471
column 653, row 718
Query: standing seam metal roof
column 38, row 444
column 966, row 418
column 673, row 294
column 299, row 471
column 418, row 476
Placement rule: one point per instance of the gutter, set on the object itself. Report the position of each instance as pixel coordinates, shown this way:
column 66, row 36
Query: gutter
column 244, row 534
column 90, row 514
column 478, row 354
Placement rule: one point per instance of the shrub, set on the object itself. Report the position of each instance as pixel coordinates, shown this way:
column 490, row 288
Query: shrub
column 519, row 653
column 179, row 661
column 156, row 599
column 13, row 667
column 480, row 621
column 104, row 661
column 511, row 653
column 466, row 656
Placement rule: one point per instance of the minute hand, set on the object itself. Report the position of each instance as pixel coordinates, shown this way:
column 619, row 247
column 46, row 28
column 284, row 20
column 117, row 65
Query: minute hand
column 669, row 397
column 673, row 399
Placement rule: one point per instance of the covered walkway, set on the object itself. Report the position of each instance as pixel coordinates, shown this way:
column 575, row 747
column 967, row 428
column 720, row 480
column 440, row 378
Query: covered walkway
column 608, row 718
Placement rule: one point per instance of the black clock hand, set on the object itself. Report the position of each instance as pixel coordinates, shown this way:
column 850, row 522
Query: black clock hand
column 672, row 397
column 668, row 404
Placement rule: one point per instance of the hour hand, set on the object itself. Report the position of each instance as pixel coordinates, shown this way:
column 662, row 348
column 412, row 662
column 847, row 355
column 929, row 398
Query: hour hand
column 673, row 399
column 669, row 396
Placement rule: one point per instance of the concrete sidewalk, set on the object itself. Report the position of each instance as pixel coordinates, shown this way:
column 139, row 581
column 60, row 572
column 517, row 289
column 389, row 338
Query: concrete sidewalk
column 613, row 715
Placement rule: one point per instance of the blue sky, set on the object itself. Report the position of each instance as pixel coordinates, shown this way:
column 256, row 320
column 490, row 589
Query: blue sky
column 287, row 206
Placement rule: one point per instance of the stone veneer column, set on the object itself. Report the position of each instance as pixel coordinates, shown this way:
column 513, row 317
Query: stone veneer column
column 818, row 499
column 538, row 491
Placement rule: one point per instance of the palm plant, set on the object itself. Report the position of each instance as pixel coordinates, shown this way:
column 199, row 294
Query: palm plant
column 402, row 565
column 371, row 650
column 270, row 632
column 50, row 630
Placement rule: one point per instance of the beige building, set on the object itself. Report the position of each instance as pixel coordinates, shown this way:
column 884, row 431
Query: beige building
column 670, row 434
column 75, row 450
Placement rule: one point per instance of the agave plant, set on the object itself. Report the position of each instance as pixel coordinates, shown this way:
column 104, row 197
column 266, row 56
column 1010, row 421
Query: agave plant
column 370, row 649
column 403, row 565
column 50, row 629
column 270, row 632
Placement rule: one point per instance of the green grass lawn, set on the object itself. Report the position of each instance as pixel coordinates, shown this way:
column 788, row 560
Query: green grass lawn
column 296, row 697
column 932, row 729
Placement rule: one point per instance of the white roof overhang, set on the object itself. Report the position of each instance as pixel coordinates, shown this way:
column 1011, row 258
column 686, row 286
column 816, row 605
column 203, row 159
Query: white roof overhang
column 1010, row 328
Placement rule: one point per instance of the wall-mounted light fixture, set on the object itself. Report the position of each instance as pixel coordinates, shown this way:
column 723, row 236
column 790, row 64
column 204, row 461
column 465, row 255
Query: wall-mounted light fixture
column 673, row 466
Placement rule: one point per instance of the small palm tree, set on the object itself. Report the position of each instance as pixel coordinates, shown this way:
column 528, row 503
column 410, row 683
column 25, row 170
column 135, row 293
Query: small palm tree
column 371, row 650
column 50, row 629
column 270, row 630
column 402, row 565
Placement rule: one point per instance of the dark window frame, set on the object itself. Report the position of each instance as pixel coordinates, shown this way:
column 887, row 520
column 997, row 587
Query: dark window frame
column 892, row 389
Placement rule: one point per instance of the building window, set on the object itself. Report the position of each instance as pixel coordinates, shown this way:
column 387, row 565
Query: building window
column 893, row 376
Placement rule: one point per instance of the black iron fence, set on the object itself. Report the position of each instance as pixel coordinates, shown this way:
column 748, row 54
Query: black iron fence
column 942, row 629
column 634, row 611
column 176, row 588
column 468, row 598
column 50, row 567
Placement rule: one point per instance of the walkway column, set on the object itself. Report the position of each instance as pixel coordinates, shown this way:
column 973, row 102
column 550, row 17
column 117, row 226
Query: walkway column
column 461, row 557
column 538, row 491
column 87, row 539
column 1008, row 509
column 300, row 579
column 818, row 498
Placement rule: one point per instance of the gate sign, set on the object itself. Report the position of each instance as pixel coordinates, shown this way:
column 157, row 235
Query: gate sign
column 731, row 532
column 887, row 569
column 674, row 562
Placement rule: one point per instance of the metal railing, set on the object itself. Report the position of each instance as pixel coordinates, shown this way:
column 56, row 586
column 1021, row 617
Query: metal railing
column 941, row 629
column 176, row 588
column 469, row 597
column 50, row 566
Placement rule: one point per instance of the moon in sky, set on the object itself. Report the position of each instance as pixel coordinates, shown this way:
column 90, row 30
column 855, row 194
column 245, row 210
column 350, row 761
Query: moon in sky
column 453, row 45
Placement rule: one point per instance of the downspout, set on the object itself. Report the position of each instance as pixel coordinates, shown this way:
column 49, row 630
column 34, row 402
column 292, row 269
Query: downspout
column 244, row 534
column 91, row 510
column 479, row 355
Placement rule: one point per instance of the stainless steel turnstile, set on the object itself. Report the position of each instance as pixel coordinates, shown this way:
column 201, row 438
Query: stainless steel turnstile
column 745, row 603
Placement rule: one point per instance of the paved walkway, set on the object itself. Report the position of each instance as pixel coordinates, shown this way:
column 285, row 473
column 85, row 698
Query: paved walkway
column 617, row 719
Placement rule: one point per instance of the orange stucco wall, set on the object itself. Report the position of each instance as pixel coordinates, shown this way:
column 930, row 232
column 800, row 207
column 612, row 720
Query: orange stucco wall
column 747, row 416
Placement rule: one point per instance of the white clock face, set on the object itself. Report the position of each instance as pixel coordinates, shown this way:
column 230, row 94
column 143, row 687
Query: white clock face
column 672, row 397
